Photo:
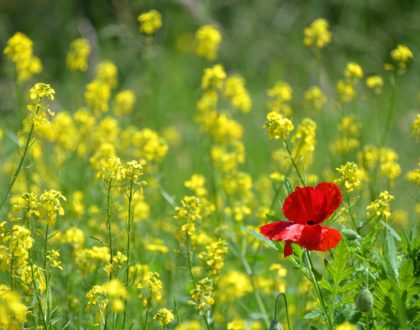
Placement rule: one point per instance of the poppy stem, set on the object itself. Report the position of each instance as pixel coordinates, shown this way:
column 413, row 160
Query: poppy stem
column 319, row 292
column 287, row 309
column 289, row 152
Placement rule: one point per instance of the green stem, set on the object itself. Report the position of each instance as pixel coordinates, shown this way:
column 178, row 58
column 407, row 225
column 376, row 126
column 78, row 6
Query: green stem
column 147, row 311
column 390, row 113
column 108, row 225
column 130, row 199
column 356, row 227
column 287, row 309
column 319, row 293
column 22, row 159
column 187, row 242
column 294, row 163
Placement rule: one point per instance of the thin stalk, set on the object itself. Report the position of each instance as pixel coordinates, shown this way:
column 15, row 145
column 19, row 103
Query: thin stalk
column 287, row 309
column 187, row 242
column 108, row 224
column 294, row 162
column 147, row 311
column 130, row 199
column 390, row 113
column 351, row 213
column 319, row 292
column 22, row 159
column 47, row 308
column 35, row 286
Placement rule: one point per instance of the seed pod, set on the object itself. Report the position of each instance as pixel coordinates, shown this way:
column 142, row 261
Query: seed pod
column 364, row 301
column 275, row 325
column 351, row 235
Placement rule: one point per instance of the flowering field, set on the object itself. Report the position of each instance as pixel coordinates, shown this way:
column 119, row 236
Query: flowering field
column 208, row 165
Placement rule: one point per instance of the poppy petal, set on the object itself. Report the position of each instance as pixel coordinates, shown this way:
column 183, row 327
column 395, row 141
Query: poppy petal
column 332, row 198
column 288, row 251
column 309, row 205
column 274, row 230
column 302, row 205
column 319, row 238
column 330, row 237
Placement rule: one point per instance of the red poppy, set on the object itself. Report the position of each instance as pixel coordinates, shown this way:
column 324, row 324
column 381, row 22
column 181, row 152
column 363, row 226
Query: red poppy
column 306, row 208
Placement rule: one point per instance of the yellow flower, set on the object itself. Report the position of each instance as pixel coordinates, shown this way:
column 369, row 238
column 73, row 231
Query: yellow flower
column 124, row 102
column 164, row 316
column 207, row 41
column 375, row 83
column 278, row 126
column 346, row 326
column 353, row 71
column 19, row 51
column 214, row 77
column 380, row 207
column 346, row 91
column 401, row 55
column 150, row 21
column 350, row 176
column 77, row 57
column 315, row 97
column 317, row 34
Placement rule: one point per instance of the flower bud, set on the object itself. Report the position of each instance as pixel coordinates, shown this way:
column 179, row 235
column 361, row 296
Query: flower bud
column 364, row 301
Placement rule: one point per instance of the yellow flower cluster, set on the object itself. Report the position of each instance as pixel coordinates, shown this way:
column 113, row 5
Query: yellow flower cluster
column 349, row 133
column 315, row 98
column 401, row 55
column 111, row 292
column 213, row 257
column 346, row 87
column 278, row 126
column 281, row 94
column 236, row 92
column 164, row 316
column 375, row 83
column 317, row 34
column 38, row 107
column 413, row 176
column 12, row 310
column 77, row 56
column 380, row 207
column 350, row 176
column 233, row 285
column 98, row 92
column 150, row 287
column 203, row 294
column 19, row 50
column 207, row 42
column 124, row 102
column 150, row 22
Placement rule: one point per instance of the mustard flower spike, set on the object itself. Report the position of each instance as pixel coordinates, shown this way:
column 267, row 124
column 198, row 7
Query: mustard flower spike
column 350, row 176
column 150, row 22
column 164, row 316
column 278, row 126
column 77, row 56
column 317, row 34
column 207, row 41
column 401, row 55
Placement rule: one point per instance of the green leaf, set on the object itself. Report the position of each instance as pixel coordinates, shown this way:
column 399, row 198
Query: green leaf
column 261, row 238
column 313, row 314
column 391, row 254
column 288, row 186
column 392, row 231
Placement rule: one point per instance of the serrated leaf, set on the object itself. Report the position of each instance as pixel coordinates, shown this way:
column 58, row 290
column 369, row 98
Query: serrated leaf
column 261, row 238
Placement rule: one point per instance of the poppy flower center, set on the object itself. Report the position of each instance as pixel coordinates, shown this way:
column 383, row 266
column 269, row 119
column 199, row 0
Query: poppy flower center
column 310, row 222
